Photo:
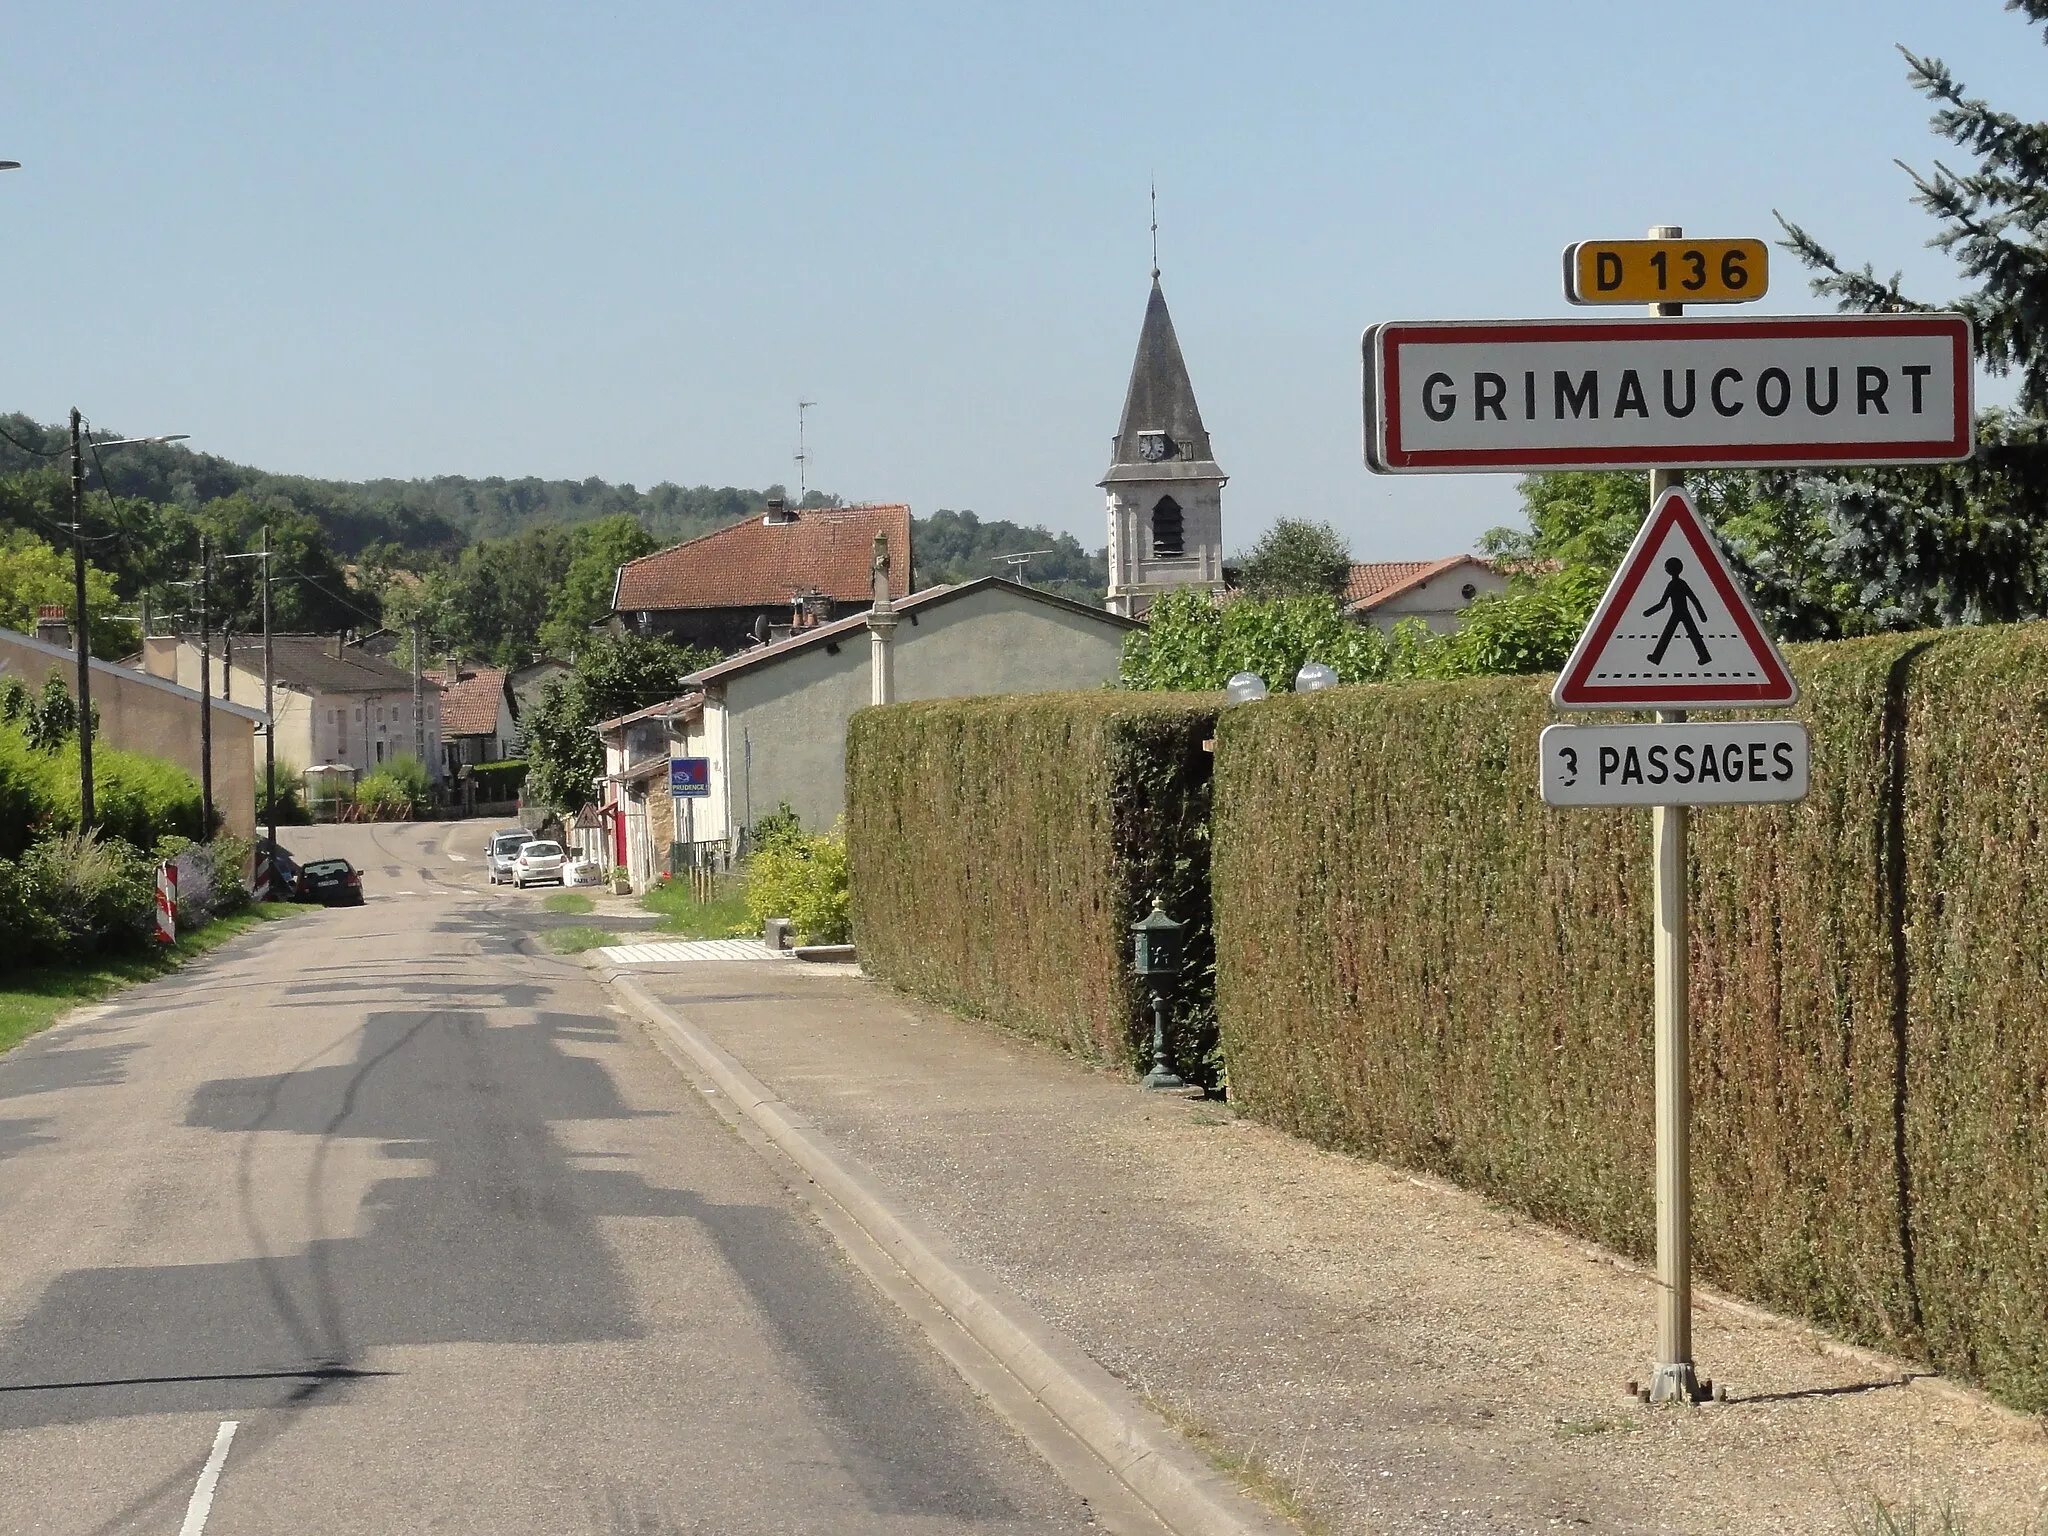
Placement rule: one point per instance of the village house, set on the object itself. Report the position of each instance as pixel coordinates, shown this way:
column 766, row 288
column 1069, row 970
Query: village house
column 772, row 721
column 337, row 706
column 477, row 721
column 786, row 569
column 636, row 820
column 141, row 713
column 1384, row 592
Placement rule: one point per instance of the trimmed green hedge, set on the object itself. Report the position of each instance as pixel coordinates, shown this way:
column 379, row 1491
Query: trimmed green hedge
column 499, row 781
column 1001, row 848
column 1418, row 961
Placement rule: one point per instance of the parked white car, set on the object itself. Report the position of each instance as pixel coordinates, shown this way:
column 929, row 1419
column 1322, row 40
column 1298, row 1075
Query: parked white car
column 504, row 847
column 537, row 860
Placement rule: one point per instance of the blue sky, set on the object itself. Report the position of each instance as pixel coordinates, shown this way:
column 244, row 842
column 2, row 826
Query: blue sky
column 623, row 240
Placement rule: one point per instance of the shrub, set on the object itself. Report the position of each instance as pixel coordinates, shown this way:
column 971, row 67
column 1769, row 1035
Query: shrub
column 136, row 798
column 100, row 891
column 286, row 789
column 227, row 857
column 779, row 827
column 398, row 790
column 52, row 718
column 801, row 876
column 1001, row 848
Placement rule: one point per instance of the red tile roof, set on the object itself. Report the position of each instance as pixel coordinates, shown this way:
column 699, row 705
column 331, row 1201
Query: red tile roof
column 470, row 707
column 1376, row 581
column 759, row 564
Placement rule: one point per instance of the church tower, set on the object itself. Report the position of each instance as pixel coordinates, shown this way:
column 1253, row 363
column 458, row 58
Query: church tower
column 1165, row 489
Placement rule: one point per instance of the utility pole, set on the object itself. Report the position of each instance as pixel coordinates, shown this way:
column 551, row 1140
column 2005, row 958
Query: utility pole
column 80, row 634
column 419, row 702
column 205, row 702
column 269, row 719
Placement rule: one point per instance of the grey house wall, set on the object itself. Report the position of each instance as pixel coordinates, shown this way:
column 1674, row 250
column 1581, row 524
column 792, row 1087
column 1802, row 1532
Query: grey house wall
column 785, row 723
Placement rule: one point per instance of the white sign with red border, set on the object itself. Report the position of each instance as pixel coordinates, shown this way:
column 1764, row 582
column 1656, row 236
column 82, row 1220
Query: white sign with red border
column 1739, row 391
column 1675, row 629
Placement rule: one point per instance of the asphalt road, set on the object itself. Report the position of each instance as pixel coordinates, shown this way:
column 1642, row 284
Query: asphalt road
column 453, row 1249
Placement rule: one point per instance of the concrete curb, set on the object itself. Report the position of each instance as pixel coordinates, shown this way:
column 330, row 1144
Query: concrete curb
column 1101, row 1412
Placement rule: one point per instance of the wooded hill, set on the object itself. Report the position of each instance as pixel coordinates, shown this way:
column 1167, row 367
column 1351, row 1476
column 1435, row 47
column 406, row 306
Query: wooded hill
column 493, row 568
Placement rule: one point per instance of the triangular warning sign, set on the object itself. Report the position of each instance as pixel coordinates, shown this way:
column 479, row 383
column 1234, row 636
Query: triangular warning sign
column 1675, row 630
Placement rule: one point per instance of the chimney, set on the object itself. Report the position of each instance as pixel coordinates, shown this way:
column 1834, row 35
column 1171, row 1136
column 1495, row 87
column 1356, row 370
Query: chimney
column 51, row 628
column 778, row 511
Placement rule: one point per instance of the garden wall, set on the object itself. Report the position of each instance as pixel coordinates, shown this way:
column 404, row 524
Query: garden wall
column 1417, row 961
column 1000, row 848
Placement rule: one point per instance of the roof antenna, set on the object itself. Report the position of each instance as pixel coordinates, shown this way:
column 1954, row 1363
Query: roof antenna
column 803, row 459
column 1155, row 231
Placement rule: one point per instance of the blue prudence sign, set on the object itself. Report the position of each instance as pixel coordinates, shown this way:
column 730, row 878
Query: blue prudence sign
column 689, row 778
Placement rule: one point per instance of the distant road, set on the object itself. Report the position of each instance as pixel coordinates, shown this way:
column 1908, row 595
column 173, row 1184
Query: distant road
column 452, row 1248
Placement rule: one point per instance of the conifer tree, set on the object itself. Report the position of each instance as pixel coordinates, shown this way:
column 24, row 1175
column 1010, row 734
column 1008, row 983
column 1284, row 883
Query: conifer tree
column 1966, row 543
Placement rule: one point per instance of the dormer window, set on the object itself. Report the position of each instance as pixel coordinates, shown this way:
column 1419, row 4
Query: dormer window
column 1168, row 540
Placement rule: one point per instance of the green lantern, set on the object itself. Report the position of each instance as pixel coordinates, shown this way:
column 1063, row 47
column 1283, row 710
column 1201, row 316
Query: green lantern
column 1156, row 946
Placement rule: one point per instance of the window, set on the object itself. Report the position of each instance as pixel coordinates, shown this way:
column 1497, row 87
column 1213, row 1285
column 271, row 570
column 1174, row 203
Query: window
column 380, row 751
column 1168, row 542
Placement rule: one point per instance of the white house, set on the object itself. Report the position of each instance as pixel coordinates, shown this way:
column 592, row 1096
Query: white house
column 1384, row 592
column 772, row 721
column 337, row 706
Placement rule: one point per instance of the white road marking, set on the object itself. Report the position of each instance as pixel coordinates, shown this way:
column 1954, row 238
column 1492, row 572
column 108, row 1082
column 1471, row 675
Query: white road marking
column 668, row 953
column 209, row 1478
column 460, row 858
column 405, row 893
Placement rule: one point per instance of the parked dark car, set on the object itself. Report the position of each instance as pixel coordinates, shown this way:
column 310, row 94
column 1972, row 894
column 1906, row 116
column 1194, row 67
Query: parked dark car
column 331, row 882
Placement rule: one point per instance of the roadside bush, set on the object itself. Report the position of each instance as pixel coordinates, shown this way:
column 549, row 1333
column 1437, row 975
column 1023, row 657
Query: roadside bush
column 802, row 876
column 1420, row 962
column 99, row 891
column 288, row 790
column 397, row 791
column 1001, row 848
column 136, row 798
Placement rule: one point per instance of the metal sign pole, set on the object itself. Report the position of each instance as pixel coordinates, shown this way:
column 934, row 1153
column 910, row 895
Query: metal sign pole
column 1673, row 1378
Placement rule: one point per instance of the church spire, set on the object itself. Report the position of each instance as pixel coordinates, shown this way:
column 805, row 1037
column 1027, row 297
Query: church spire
column 1162, row 437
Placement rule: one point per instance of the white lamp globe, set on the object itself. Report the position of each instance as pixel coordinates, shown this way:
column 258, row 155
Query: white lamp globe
column 1314, row 677
column 1244, row 688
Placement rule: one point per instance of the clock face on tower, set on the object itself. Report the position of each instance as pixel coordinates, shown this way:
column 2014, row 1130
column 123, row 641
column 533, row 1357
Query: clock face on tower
column 1154, row 447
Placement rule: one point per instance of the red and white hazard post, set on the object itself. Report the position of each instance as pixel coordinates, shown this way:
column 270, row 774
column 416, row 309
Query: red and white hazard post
column 1675, row 631
column 167, row 903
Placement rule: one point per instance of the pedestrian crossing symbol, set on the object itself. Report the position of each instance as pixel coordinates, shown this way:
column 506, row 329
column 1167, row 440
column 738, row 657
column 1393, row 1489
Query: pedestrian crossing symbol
column 1675, row 629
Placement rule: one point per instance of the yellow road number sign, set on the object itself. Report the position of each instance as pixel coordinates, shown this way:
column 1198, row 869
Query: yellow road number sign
column 1666, row 271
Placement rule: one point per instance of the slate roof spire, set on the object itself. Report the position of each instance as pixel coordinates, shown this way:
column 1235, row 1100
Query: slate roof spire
column 1162, row 437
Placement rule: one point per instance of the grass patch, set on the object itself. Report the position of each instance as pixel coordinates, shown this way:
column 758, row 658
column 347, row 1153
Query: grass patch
column 33, row 1000
column 568, row 901
column 573, row 941
column 1250, row 1470
column 722, row 917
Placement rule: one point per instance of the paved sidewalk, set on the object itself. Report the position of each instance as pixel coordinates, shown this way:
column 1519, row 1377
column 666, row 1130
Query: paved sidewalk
column 1398, row 1355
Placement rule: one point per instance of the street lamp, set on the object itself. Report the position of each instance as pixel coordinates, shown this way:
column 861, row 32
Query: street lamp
column 78, row 640
column 1244, row 688
column 1155, row 947
column 1314, row 677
